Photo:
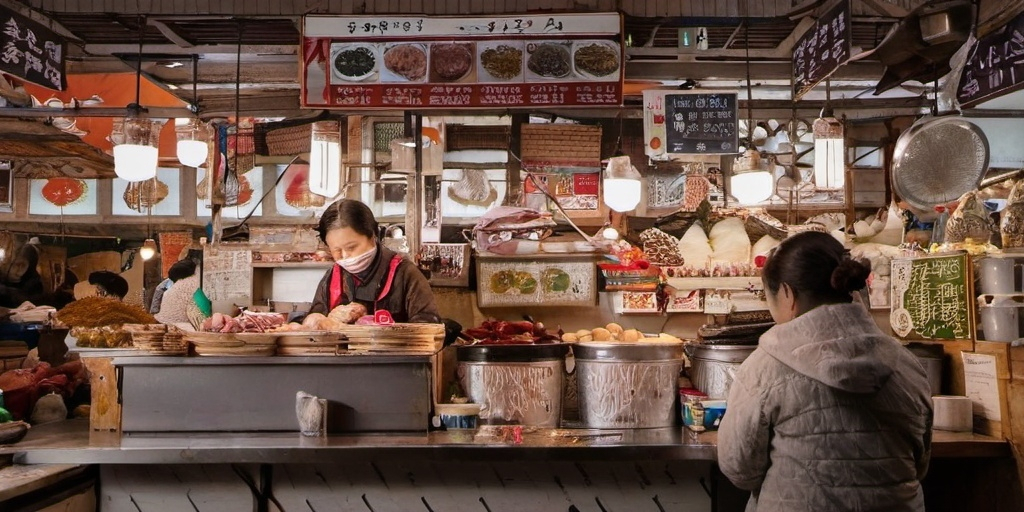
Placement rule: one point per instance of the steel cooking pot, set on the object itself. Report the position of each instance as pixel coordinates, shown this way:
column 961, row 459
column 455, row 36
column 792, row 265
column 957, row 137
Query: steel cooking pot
column 630, row 385
column 514, row 384
column 712, row 367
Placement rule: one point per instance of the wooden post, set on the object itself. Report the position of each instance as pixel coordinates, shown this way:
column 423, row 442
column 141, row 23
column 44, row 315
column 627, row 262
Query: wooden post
column 414, row 191
column 105, row 412
column 513, row 167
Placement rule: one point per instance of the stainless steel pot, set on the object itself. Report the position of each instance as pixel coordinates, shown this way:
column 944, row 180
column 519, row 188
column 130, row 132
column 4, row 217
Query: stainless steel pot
column 514, row 384
column 627, row 385
column 712, row 367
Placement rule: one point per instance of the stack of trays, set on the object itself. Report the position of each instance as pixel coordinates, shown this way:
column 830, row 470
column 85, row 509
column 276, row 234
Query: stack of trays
column 156, row 339
column 395, row 338
column 12, row 354
column 312, row 343
column 233, row 344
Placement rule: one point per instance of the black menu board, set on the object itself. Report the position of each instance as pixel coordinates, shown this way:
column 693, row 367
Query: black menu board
column 30, row 51
column 701, row 123
column 822, row 49
column 995, row 65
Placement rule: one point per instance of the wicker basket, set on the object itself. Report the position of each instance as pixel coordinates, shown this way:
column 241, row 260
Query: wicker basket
column 462, row 137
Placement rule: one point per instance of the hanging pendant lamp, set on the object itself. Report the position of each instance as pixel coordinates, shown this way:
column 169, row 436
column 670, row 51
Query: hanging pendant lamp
column 193, row 134
column 829, row 147
column 135, row 151
column 325, row 159
column 750, row 183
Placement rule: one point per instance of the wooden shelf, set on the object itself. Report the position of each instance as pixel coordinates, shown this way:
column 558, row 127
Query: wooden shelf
column 293, row 264
column 715, row 283
column 565, row 256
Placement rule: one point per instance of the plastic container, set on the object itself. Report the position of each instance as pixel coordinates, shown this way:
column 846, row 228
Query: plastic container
column 456, row 416
column 1002, row 318
column 710, row 412
column 1000, row 274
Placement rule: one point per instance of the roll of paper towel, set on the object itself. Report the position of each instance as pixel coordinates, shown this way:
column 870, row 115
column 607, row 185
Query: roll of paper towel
column 952, row 413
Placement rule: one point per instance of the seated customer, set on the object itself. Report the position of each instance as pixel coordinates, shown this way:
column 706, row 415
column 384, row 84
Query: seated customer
column 177, row 300
column 180, row 270
column 109, row 284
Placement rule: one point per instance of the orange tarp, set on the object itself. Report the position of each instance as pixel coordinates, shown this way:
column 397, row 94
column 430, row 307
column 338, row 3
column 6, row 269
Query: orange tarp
column 116, row 90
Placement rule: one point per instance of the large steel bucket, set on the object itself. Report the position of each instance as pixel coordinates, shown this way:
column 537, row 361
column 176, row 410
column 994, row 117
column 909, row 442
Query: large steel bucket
column 713, row 367
column 628, row 385
column 514, row 384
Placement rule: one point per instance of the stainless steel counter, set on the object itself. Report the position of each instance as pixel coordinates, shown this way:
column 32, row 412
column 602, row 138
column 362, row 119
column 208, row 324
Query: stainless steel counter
column 71, row 442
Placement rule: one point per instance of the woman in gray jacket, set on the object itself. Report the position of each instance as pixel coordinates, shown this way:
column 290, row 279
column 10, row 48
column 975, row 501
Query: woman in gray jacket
column 829, row 413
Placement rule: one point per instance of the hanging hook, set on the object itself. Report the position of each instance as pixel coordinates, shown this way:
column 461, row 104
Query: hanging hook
column 826, row 110
column 137, row 106
column 238, row 93
column 194, row 107
column 618, row 141
column 750, row 93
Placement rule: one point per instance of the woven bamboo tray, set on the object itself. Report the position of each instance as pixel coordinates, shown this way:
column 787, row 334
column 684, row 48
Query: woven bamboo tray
column 244, row 350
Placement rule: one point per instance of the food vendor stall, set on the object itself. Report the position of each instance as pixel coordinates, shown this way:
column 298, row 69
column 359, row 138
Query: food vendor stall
column 606, row 299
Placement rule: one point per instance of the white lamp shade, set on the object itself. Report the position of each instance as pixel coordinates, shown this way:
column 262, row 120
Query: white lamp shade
column 621, row 184
column 751, row 187
column 325, row 168
column 148, row 249
column 829, row 163
column 621, row 194
column 325, row 159
column 134, row 162
column 193, row 153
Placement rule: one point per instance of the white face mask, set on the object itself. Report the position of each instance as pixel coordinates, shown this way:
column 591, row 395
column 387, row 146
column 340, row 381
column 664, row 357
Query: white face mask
column 358, row 264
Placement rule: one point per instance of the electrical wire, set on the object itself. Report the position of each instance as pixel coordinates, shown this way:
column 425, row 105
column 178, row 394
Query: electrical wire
column 544, row 190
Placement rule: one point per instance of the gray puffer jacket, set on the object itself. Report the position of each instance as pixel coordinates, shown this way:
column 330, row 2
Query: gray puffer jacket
column 828, row 413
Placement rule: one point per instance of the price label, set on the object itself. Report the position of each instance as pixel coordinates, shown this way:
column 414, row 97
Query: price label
column 716, row 303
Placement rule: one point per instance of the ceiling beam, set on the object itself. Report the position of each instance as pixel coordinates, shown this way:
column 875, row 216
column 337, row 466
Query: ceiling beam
column 46, row 112
column 885, row 8
column 206, row 49
column 732, row 37
column 787, row 44
column 44, row 20
column 168, row 32
column 635, row 52
column 700, row 70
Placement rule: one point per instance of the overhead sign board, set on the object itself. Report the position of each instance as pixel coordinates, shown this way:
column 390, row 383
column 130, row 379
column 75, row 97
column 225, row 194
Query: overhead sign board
column 30, row 51
column 690, row 123
column 418, row 62
column 822, row 49
column 994, row 66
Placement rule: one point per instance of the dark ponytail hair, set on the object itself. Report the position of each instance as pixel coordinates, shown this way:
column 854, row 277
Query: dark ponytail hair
column 348, row 213
column 817, row 269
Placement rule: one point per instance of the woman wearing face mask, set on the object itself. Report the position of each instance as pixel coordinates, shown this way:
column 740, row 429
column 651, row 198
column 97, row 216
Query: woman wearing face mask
column 829, row 413
column 367, row 272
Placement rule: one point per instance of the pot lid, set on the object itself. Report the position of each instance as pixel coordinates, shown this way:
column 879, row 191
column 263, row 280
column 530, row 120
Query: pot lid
column 597, row 351
column 521, row 353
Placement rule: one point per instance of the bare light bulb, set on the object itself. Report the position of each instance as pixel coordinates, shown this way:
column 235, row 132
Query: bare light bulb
column 610, row 233
column 148, row 249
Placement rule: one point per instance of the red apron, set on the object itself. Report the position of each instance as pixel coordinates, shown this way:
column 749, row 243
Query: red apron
column 337, row 288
